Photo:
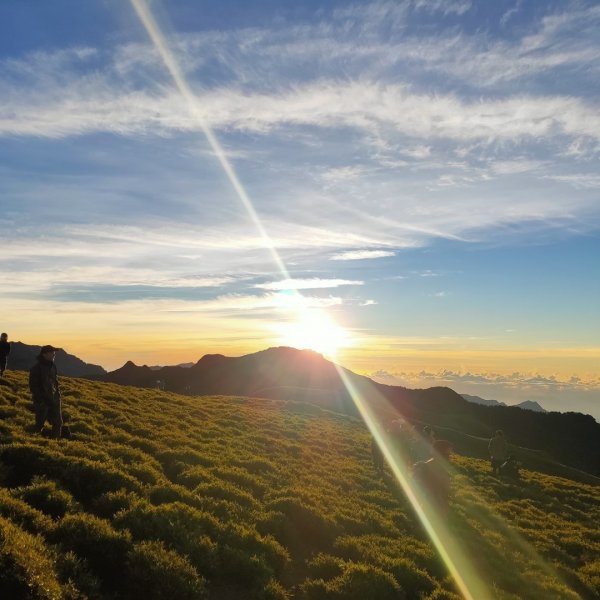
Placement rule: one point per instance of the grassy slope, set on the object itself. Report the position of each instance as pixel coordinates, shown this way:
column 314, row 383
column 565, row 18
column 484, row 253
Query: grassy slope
column 166, row 496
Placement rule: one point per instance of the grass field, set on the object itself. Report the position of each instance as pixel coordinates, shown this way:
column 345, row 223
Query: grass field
column 167, row 496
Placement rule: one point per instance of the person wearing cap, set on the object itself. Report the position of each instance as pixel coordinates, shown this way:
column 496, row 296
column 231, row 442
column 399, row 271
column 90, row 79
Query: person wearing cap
column 45, row 391
column 498, row 449
column 4, row 352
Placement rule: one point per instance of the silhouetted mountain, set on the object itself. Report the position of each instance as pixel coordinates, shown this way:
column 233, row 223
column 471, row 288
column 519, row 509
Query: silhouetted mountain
column 531, row 405
column 479, row 400
column 305, row 376
column 525, row 405
column 23, row 357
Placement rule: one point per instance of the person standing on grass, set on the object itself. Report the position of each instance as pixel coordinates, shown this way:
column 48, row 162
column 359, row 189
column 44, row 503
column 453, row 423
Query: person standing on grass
column 423, row 446
column 377, row 455
column 45, row 392
column 4, row 352
column 433, row 476
column 498, row 449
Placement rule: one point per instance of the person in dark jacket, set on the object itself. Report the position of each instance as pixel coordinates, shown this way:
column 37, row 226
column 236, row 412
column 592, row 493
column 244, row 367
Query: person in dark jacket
column 498, row 449
column 433, row 475
column 4, row 352
column 45, row 391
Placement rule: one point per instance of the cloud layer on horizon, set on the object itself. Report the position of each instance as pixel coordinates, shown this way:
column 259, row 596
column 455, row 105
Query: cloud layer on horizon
column 562, row 394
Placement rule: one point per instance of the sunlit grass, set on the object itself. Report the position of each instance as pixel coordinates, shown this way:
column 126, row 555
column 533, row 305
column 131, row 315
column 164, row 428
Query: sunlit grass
column 279, row 497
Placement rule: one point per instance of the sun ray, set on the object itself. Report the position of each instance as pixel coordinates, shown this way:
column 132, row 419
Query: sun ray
column 468, row 581
column 159, row 41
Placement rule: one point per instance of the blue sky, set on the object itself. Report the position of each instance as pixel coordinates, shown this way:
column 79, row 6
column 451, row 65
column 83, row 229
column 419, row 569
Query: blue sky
column 426, row 170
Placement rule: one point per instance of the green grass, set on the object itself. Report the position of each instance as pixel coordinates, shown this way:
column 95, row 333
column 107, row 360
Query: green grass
column 166, row 496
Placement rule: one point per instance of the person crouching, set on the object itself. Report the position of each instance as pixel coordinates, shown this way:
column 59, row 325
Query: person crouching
column 45, row 391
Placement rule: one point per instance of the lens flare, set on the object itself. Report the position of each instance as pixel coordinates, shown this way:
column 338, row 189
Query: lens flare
column 157, row 38
column 457, row 560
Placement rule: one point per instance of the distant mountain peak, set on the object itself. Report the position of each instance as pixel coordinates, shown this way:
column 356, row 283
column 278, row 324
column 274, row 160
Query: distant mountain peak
column 525, row 405
column 531, row 405
column 479, row 400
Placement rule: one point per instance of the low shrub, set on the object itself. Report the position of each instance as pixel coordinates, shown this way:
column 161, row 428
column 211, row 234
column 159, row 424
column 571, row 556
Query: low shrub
column 175, row 461
column 224, row 510
column 414, row 581
column 190, row 477
column 359, row 581
column 273, row 591
column 166, row 494
column 27, row 569
column 302, row 525
column 77, row 579
column 24, row 461
column 107, row 505
column 325, row 566
column 241, row 478
column 156, row 573
column 227, row 491
column 442, row 594
column 370, row 548
column 180, row 527
column 98, row 543
column 590, row 574
column 19, row 512
column 47, row 497
column 249, row 571
column 253, row 543
column 87, row 479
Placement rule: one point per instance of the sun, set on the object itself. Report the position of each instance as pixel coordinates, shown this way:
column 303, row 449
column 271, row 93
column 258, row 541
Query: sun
column 314, row 330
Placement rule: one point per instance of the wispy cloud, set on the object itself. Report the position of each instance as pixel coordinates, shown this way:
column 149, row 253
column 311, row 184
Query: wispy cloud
column 369, row 303
column 362, row 254
column 306, row 284
column 342, row 174
column 578, row 180
column 328, row 104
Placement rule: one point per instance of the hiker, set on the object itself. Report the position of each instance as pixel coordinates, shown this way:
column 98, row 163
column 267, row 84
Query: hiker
column 433, row 475
column 498, row 449
column 377, row 455
column 43, row 384
column 424, row 443
column 4, row 352
column 400, row 436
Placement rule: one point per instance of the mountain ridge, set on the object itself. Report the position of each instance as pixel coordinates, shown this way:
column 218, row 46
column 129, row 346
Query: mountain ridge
column 525, row 405
column 306, row 376
column 23, row 356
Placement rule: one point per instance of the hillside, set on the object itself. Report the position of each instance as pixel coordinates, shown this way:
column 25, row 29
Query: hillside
column 300, row 375
column 23, row 356
column 161, row 495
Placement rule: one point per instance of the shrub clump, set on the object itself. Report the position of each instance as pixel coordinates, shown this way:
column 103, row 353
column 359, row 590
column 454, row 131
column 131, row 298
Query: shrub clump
column 301, row 524
column 47, row 497
column 358, row 581
column 155, row 572
column 109, row 504
column 22, row 514
column 94, row 540
column 27, row 569
column 180, row 527
column 78, row 581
